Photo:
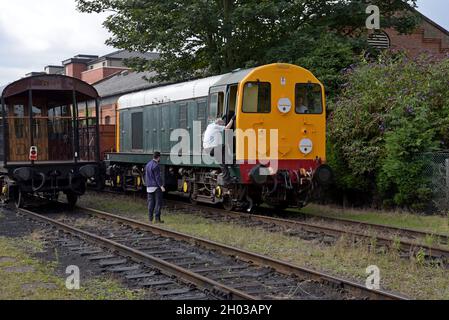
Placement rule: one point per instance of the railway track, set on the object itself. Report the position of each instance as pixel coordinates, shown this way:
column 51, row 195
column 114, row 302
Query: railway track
column 404, row 240
column 217, row 270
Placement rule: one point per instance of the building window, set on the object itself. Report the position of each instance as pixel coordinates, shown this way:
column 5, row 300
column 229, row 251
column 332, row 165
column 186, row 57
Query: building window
column 107, row 120
column 379, row 40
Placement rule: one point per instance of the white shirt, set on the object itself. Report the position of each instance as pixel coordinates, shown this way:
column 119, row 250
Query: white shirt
column 212, row 136
column 151, row 189
column 303, row 109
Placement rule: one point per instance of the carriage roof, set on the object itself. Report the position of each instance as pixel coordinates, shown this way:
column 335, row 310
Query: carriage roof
column 50, row 82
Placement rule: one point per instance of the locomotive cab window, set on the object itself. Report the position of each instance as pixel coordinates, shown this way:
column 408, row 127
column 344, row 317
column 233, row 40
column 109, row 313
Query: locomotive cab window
column 309, row 99
column 216, row 106
column 257, row 97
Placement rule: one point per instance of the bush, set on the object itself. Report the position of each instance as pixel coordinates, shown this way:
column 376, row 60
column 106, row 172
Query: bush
column 389, row 113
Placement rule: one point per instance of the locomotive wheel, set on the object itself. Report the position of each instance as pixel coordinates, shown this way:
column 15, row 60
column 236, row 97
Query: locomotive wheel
column 72, row 198
column 228, row 204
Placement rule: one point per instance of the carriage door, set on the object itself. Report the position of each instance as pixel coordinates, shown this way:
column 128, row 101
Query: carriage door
column 40, row 131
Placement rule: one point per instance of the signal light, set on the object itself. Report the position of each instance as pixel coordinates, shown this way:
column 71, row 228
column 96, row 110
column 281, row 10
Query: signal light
column 33, row 153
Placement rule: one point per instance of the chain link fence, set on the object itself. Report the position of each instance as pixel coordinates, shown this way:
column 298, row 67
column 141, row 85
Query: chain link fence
column 436, row 172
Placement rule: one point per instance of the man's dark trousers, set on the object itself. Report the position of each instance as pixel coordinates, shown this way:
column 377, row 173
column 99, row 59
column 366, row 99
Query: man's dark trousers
column 155, row 204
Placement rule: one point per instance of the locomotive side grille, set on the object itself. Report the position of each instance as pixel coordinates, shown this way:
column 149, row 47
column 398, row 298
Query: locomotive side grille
column 202, row 108
column 183, row 116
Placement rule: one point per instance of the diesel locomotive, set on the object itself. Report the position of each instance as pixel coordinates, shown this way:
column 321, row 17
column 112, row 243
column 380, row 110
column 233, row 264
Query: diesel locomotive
column 277, row 149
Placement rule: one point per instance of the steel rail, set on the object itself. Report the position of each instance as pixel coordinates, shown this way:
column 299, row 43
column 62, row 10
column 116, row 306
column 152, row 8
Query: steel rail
column 404, row 245
column 406, row 231
column 139, row 256
column 280, row 266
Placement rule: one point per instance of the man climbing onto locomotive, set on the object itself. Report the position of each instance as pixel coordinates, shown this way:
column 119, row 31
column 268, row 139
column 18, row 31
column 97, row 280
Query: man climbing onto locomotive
column 213, row 140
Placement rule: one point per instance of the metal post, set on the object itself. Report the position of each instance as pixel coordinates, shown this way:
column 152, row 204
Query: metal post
column 30, row 108
column 87, row 131
column 97, row 128
column 5, row 140
column 447, row 181
column 76, row 140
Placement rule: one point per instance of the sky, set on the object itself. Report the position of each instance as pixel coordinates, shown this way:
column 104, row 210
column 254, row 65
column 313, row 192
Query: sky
column 37, row 33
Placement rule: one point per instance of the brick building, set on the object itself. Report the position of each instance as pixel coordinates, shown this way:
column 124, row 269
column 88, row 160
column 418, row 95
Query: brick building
column 428, row 37
column 112, row 88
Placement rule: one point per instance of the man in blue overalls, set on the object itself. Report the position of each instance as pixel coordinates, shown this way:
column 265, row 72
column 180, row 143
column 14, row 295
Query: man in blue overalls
column 155, row 188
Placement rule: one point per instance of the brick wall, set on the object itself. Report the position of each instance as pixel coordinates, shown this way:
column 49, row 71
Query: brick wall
column 75, row 70
column 108, row 111
column 95, row 75
column 427, row 38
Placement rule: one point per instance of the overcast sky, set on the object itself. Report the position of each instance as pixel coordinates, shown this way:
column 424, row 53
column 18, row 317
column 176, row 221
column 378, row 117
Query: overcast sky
column 36, row 33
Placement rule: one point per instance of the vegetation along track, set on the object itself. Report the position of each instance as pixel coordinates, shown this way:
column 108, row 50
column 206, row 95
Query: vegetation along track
column 216, row 269
column 404, row 240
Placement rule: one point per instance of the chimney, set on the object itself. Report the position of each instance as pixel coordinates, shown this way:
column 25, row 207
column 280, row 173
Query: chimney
column 54, row 69
column 78, row 64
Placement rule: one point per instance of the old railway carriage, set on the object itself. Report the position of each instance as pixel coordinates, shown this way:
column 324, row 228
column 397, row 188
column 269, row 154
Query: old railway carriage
column 45, row 146
column 280, row 97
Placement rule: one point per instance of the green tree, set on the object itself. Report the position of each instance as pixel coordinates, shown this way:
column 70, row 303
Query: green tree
column 391, row 113
column 203, row 37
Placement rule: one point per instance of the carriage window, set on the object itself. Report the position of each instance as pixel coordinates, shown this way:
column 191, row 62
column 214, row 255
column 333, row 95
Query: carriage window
column 257, row 97
column 309, row 99
column 137, row 130
column 19, row 123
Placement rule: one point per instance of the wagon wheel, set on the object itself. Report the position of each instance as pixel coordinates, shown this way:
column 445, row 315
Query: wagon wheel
column 19, row 200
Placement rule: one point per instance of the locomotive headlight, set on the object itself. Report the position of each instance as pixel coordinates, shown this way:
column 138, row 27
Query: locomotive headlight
column 306, row 146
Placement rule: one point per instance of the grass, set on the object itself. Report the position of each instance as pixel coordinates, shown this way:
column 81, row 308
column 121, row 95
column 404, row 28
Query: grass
column 414, row 278
column 431, row 224
column 23, row 277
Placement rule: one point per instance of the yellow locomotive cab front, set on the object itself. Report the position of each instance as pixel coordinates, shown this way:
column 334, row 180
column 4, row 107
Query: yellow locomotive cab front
column 286, row 100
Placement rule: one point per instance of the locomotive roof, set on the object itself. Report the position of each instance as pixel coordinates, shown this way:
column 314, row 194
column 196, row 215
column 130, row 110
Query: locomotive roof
column 180, row 91
column 233, row 77
column 174, row 92
column 49, row 82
